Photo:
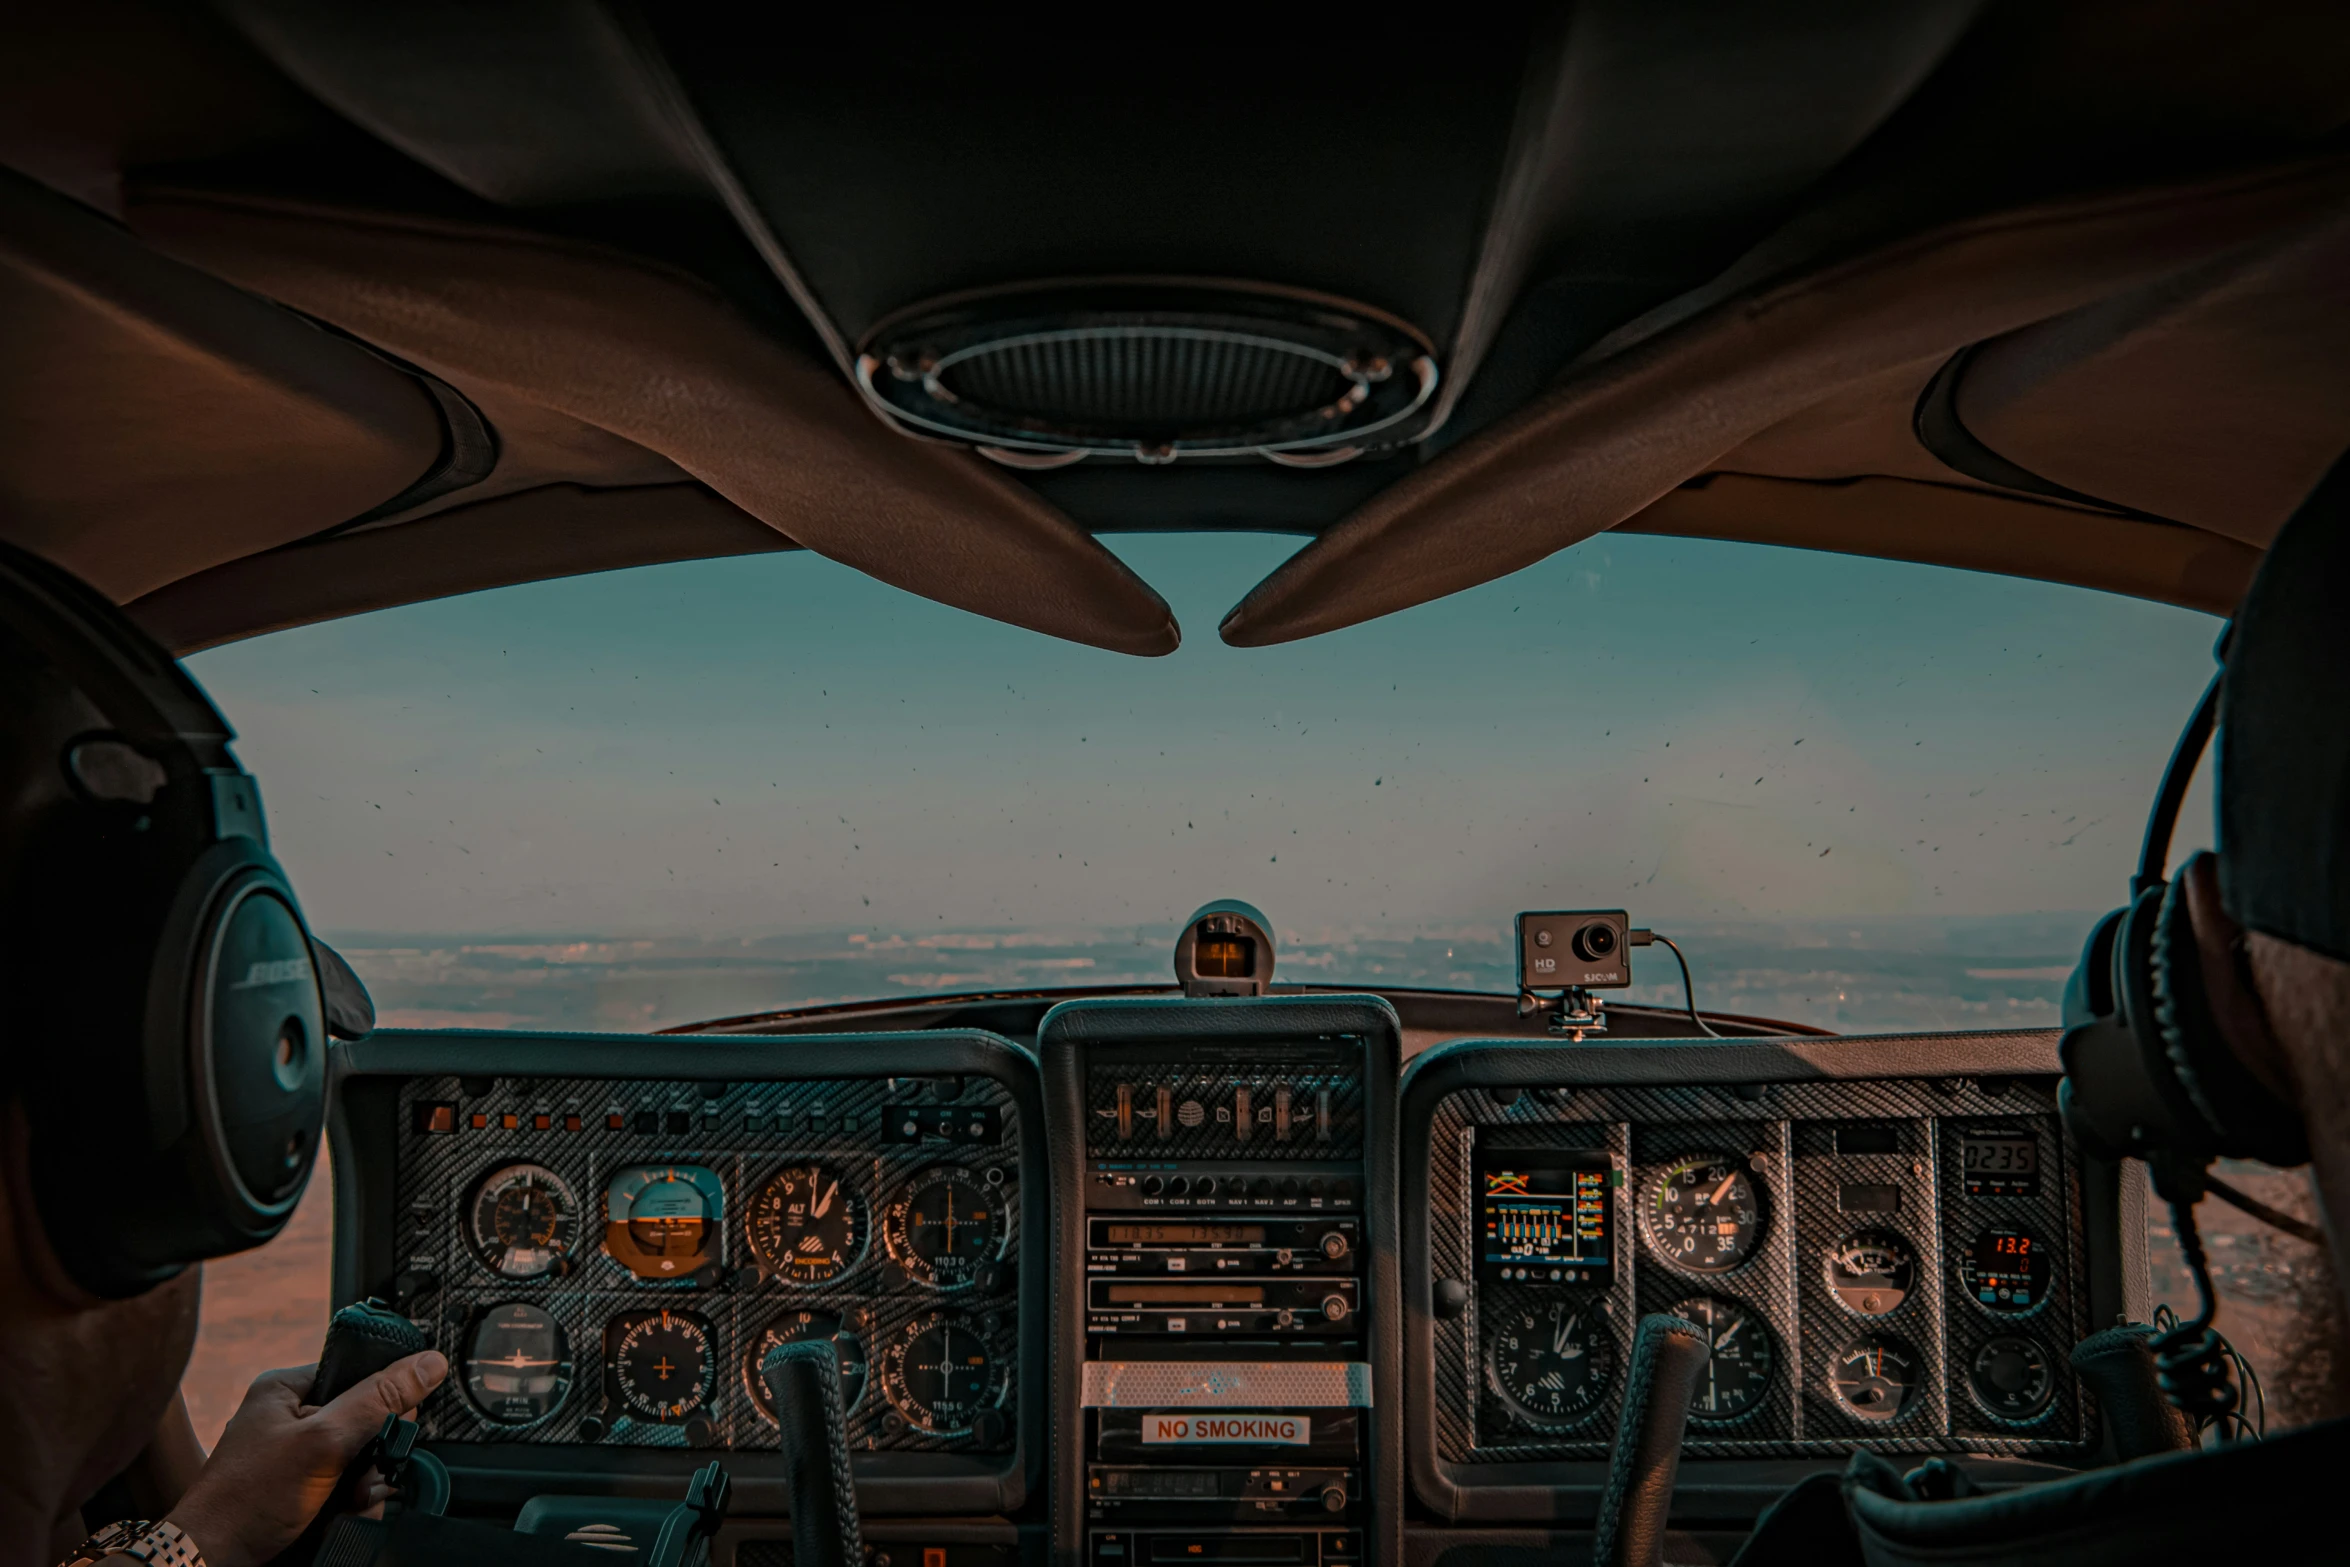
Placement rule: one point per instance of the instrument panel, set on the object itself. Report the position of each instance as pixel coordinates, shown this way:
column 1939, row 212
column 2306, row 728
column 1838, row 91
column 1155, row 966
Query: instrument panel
column 608, row 1261
column 1888, row 1263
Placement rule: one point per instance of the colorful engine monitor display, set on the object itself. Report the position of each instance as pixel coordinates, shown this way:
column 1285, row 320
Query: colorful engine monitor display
column 1544, row 1215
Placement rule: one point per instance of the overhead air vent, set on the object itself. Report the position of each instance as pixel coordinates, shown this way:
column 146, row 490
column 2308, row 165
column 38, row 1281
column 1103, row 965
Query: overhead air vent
column 1151, row 372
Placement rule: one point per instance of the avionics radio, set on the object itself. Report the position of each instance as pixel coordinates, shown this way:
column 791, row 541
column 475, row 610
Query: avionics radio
column 1219, row 1305
column 1241, row 1244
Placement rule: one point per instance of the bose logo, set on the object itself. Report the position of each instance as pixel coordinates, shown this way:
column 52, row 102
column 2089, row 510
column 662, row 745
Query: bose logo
column 274, row 971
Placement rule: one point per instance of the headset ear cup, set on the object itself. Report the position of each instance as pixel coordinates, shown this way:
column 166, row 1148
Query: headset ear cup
column 2246, row 1120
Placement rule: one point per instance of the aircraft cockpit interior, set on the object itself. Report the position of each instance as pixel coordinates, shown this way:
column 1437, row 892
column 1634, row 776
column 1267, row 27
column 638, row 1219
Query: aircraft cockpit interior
column 1220, row 790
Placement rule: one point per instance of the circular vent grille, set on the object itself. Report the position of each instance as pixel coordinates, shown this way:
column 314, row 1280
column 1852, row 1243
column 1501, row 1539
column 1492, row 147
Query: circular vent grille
column 1151, row 373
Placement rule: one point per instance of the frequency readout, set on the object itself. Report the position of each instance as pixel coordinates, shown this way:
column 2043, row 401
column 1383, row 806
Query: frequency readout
column 1543, row 1216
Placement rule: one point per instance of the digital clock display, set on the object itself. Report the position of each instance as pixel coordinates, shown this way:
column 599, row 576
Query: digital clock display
column 2000, row 1164
column 1544, row 1215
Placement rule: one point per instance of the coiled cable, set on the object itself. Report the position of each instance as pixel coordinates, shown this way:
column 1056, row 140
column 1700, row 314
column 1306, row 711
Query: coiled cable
column 2199, row 1372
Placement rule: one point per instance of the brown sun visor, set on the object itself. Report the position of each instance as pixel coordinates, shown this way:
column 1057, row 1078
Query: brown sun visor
column 656, row 358
column 1621, row 433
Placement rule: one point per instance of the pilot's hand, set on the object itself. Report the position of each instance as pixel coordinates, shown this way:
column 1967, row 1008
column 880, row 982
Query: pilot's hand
column 280, row 1459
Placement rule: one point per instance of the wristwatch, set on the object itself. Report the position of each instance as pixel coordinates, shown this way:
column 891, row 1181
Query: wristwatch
column 163, row 1544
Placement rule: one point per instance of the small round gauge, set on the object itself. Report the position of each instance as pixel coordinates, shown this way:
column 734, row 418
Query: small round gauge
column 791, row 1328
column 1550, row 1364
column 517, row 1364
column 2010, row 1379
column 1738, row 1363
column 661, row 1221
column 942, row 1373
column 658, row 1364
column 806, row 1225
column 523, row 1221
column 2006, row 1270
column 943, row 1225
column 1874, row 1377
column 1872, row 1273
column 1705, row 1214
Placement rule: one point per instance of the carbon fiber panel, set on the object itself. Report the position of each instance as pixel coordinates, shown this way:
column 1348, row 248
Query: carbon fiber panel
column 835, row 1123
column 1784, row 1280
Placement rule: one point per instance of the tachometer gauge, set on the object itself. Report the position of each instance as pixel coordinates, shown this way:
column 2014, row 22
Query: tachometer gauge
column 792, row 1328
column 806, row 1225
column 943, row 1225
column 1874, row 1377
column 2006, row 1270
column 523, row 1221
column 1705, row 1214
column 661, row 1221
column 517, row 1364
column 658, row 1365
column 2010, row 1379
column 942, row 1374
column 1550, row 1364
column 1738, row 1361
column 1872, row 1273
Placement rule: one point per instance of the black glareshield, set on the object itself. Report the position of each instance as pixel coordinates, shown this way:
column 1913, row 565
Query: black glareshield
column 157, row 972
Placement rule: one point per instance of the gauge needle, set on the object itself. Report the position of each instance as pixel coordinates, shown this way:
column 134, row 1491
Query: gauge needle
column 1723, row 1190
column 824, row 1205
column 1729, row 1333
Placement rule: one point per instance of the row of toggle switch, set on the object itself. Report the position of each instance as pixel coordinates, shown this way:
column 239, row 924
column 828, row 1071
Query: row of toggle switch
column 1246, row 1115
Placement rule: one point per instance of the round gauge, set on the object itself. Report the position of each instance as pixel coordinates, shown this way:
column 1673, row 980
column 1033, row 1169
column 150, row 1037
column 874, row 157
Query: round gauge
column 1872, row 1273
column 1706, row 1214
column 658, row 1364
column 661, row 1221
column 943, row 1225
column 2006, row 1269
column 517, row 1364
column 1873, row 1377
column 1738, row 1362
column 523, row 1221
column 941, row 1373
column 1550, row 1364
column 2010, row 1379
column 806, row 1225
column 793, row 1327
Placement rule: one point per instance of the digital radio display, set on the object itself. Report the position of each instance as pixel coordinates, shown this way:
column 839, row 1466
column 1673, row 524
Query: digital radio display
column 1185, row 1234
column 2000, row 1164
column 1544, row 1215
column 1184, row 1295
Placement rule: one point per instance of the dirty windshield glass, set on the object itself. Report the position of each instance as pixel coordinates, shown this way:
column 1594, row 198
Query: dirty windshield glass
column 1860, row 794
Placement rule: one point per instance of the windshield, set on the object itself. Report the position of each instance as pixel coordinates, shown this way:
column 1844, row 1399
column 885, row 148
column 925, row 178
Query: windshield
column 1861, row 794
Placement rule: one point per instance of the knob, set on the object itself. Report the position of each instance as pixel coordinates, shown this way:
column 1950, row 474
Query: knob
column 1334, row 1498
column 1178, row 1186
column 1244, row 1115
column 1285, row 1318
column 699, row 1432
column 1261, row 1187
column 1334, row 1308
column 592, row 1429
column 1334, row 1245
column 1316, row 1187
column 1289, row 1187
column 1450, row 1298
column 1205, row 1186
column 991, row 1277
column 1151, row 1185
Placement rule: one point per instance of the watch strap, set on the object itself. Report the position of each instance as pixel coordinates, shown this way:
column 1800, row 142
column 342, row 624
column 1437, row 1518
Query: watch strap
column 163, row 1544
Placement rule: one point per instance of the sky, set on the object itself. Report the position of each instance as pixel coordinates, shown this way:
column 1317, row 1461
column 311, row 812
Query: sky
column 1694, row 730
